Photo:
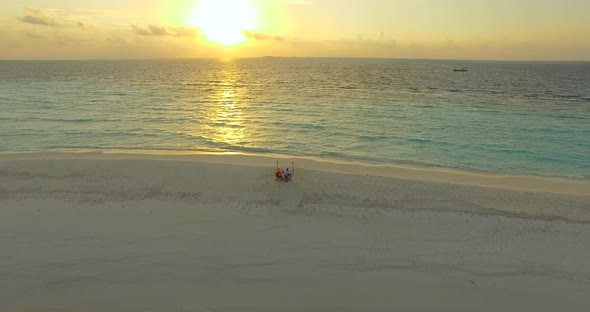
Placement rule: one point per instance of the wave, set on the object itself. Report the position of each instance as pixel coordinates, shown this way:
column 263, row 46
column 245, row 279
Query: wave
column 513, row 151
column 64, row 120
column 570, row 117
column 220, row 124
column 373, row 138
column 302, row 125
column 420, row 140
column 569, row 96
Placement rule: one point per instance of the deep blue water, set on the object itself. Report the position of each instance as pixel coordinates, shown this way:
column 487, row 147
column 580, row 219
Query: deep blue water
column 513, row 117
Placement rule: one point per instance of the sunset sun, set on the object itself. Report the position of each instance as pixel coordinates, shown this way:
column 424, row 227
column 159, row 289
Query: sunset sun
column 222, row 21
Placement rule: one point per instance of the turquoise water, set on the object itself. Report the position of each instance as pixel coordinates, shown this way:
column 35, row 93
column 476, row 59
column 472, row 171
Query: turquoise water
column 524, row 118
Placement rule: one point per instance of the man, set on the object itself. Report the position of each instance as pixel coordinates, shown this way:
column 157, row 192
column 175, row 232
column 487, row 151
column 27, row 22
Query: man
column 287, row 175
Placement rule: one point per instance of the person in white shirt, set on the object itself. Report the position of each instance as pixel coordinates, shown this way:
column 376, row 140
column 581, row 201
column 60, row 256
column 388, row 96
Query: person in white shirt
column 287, row 175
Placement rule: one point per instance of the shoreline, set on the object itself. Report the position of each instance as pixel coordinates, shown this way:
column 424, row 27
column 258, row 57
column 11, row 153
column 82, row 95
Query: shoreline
column 532, row 183
column 319, row 158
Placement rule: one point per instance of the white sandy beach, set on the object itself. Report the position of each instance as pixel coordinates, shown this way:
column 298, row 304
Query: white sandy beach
column 122, row 232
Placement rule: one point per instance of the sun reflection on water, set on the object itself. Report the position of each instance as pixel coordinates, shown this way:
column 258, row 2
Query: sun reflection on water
column 225, row 108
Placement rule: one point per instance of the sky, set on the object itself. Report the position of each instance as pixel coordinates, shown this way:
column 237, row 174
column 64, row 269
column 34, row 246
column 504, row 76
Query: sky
column 440, row 29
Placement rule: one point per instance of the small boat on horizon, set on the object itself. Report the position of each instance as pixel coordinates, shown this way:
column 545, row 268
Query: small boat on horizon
column 464, row 69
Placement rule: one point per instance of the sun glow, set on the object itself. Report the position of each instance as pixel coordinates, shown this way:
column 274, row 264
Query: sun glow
column 223, row 21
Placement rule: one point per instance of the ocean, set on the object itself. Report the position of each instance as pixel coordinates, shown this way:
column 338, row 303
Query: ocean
column 506, row 117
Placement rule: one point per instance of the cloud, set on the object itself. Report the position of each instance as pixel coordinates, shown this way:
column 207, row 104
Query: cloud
column 54, row 18
column 141, row 31
column 185, row 32
column 260, row 36
column 157, row 31
column 161, row 31
column 85, row 26
column 38, row 17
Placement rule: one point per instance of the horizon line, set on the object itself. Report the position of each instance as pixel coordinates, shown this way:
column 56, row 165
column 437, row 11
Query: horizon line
column 292, row 57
